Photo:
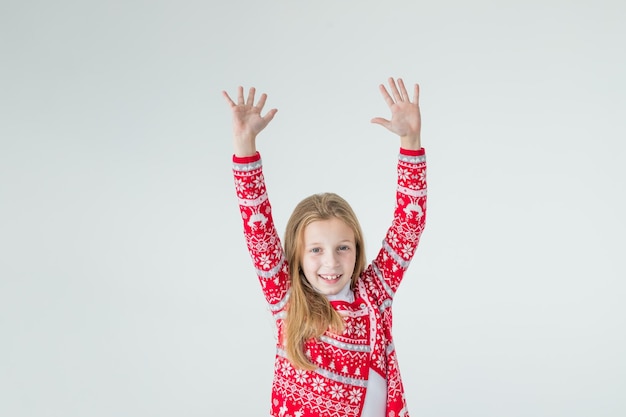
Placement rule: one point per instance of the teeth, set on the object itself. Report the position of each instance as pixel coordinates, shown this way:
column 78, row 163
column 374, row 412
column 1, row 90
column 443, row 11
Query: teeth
column 330, row 277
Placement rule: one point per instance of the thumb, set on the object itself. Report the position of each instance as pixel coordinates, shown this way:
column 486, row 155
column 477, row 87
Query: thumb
column 380, row 121
column 269, row 115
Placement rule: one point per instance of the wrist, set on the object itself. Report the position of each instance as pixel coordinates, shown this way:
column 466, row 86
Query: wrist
column 244, row 146
column 411, row 142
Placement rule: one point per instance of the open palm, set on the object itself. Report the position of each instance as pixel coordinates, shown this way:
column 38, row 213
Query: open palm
column 247, row 119
column 405, row 120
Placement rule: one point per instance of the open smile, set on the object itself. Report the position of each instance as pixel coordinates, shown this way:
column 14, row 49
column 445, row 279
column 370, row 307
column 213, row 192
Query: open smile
column 331, row 278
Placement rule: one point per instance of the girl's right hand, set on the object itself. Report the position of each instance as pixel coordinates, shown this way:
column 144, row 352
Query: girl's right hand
column 247, row 120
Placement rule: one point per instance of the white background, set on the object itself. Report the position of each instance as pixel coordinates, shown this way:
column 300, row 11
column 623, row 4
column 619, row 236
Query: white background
column 125, row 286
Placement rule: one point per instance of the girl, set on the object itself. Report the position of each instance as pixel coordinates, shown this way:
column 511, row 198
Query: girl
column 335, row 353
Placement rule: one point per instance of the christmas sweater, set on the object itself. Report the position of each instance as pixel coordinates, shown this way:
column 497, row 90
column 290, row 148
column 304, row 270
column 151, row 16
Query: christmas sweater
column 337, row 387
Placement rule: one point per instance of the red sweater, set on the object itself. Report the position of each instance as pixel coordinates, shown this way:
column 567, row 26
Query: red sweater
column 338, row 386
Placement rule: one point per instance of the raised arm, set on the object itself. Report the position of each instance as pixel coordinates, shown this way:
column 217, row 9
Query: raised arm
column 261, row 236
column 409, row 218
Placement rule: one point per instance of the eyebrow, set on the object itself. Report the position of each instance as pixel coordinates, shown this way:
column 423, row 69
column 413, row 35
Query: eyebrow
column 340, row 242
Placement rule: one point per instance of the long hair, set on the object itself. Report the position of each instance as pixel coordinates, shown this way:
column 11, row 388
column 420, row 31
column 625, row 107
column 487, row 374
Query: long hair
column 309, row 313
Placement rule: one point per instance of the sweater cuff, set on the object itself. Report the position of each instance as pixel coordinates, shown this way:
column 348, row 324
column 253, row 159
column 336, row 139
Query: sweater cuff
column 246, row 159
column 411, row 152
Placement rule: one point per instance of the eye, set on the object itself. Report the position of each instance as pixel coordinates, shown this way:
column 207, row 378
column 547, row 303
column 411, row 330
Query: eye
column 316, row 250
column 344, row 247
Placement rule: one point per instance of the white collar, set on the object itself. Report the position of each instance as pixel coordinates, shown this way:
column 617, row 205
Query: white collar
column 346, row 294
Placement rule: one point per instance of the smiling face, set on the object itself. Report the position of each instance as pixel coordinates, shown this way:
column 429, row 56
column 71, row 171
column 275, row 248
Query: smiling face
column 329, row 255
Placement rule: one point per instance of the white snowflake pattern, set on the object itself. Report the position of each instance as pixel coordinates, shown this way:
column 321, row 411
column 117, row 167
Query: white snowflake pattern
column 337, row 391
column 360, row 329
column 347, row 328
column 318, row 384
column 258, row 182
column 404, row 174
column 355, row 395
column 407, row 250
column 265, row 261
column 239, row 185
column 392, row 238
column 301, row 376
column 286, row 369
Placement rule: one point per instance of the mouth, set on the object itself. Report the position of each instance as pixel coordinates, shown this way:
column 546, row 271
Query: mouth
column 330, row 278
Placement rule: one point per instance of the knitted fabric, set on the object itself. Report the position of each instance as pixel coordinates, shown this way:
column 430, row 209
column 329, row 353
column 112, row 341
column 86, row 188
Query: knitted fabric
column 338, row 386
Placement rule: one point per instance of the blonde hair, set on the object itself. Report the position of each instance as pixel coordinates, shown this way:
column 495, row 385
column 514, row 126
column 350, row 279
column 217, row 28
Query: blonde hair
column 309, row 313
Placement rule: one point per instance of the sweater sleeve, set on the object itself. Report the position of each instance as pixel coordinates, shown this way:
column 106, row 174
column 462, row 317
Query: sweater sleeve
column 409, row 219
column 260, row 233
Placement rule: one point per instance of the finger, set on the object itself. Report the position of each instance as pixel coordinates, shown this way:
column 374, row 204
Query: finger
column 261, row 102
column 394, row 89
column 416, row 94
column 386, row 95
column 239, row 95
column 250, row 101
column 270, row 115
column 403, row 92
column 381, row 121
column 228, row 99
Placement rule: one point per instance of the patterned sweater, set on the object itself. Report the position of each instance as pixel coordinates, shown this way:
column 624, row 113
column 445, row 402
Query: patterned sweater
column 338, row 386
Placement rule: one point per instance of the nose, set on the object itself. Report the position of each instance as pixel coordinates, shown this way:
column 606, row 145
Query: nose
column 330, row 259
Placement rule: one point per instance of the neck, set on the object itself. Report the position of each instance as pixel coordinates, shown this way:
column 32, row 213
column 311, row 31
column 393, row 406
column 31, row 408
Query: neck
column 345, row 294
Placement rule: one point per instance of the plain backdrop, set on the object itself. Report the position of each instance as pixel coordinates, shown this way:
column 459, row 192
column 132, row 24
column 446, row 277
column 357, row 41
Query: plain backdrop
column 125, row 285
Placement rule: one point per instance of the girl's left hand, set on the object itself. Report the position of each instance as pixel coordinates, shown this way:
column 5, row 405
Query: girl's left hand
column 406, row 120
